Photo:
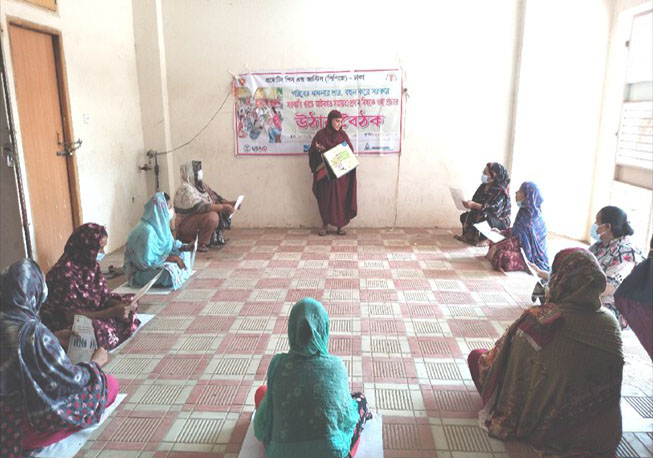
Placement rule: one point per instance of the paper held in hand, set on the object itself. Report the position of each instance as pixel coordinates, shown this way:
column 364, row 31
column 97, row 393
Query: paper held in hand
column 340, row 159
column 458, row 198
column 239, row 202
column 194, row 253
column 82, row 345
column 485, row 229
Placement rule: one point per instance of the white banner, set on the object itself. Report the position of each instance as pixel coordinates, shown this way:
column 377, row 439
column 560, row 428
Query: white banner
column 278, row 113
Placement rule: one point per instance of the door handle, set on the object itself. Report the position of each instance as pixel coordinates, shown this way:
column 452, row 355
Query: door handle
column 68, row 148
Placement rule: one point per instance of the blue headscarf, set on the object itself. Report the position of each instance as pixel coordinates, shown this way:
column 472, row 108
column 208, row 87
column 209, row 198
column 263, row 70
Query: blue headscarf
column 530, row 228
column 307, row 409
column 34, row 369
column 151, row 241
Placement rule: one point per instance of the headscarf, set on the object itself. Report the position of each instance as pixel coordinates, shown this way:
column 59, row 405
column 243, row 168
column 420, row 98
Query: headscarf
column 76, row 282
column 500, row 176
column 308, row 409
column 577, row 280
column 34, row 369
column 530, row 228
column 188, row 197
column 151, row 241
column 328, row 137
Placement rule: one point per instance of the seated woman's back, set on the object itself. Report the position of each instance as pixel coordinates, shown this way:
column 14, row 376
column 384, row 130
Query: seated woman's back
column 308, row 409
column 554, row 377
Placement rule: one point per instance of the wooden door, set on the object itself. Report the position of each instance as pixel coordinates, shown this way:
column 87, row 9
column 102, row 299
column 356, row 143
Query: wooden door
column 42, row 133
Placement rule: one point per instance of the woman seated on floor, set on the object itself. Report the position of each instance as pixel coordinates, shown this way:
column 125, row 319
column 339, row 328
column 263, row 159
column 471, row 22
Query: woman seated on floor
column 217, row 238
column 306, row 408
column 151, row 247
column 491, row 203
column 554, row 378
column 40, row 389
column 196, row 210
column 634, row 300
column 614, row 251
column 528, row 234
column 77, row 287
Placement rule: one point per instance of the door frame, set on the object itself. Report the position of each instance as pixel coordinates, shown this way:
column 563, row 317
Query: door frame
column 64, row 103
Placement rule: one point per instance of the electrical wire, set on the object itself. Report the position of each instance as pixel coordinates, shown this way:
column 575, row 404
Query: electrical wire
column 161, row 153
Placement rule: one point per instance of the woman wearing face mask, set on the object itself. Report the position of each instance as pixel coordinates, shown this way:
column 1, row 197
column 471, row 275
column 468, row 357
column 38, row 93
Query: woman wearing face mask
column 491, row 203
column 199, row 209
column 151, row 247
column 527, row 234
column 614, row 251
column 77, row 287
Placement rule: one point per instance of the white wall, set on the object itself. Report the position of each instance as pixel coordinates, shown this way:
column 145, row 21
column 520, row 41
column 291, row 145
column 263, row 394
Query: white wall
column 458, row 62
column 559, row 106
column 98, row 41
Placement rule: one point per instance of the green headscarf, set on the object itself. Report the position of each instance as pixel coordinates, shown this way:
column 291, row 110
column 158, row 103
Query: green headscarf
column 307, row 409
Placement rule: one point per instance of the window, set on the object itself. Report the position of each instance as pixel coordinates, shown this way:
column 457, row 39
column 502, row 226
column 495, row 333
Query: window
column 635, row 142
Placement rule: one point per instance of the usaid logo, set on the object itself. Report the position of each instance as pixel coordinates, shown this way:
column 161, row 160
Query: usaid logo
column 246, row 148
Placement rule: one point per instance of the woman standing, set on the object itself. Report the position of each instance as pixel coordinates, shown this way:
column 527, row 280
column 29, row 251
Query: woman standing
column 336, row 198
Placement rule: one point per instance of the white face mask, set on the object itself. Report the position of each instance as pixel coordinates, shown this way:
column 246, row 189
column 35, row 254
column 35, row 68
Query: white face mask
column 484, row 178
column 100, row 256
column 171, row 214
column 200, row 175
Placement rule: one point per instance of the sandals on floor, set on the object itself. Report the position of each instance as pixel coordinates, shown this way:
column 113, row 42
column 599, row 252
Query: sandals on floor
column 341, row 232
column 201, row 248
column 322, row 232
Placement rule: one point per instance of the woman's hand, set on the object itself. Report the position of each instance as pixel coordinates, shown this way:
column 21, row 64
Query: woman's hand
column 121, row 310
column 100, row 356
column 63, row 336
column 466, row 204
column 188, row 247
column 543, row 274
column 319, row 147
column 176, row 259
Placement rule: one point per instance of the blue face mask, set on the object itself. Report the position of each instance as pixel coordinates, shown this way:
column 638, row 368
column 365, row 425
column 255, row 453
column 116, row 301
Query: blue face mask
column 484, row 178
column 594, row 232
column 520, row 203
column 100, row 256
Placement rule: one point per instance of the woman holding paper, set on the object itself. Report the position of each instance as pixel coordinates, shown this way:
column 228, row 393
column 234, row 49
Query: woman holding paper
column 77, row 286
column 527, row 234
column 336, row 198
column 200, row 209
column 44, row 398
column 151, row 247
column 491, row 203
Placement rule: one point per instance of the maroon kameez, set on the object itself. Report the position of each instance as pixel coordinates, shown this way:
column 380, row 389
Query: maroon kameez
column 336, row 198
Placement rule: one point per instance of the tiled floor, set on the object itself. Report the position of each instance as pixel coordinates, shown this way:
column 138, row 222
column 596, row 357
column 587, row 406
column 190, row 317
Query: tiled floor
column 406, row 307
